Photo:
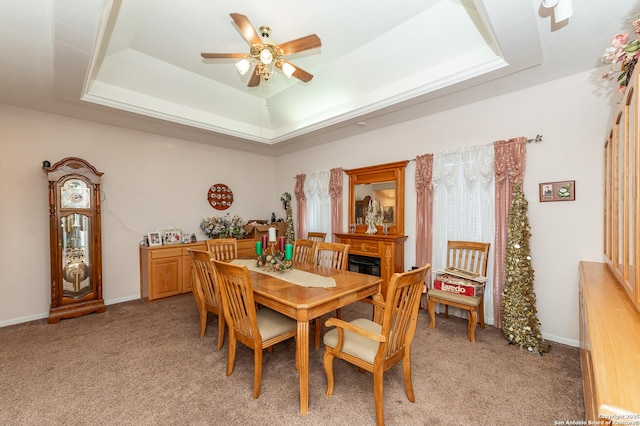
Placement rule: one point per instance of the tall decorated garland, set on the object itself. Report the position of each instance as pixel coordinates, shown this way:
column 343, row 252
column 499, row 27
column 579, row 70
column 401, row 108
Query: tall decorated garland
column 520, row 323
column 286, row 205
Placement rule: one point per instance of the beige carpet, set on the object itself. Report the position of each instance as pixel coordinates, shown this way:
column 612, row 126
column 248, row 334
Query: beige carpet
column 143, row 364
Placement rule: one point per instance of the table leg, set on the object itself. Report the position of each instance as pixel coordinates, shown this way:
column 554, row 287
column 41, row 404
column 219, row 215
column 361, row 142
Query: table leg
column 303, row 362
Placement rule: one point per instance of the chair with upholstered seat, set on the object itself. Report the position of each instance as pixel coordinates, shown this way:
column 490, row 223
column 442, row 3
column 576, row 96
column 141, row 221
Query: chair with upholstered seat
column 330, row 255
column 471, row 258
column 256, row 328
column 223, row 248
column 376, row 346
column 318, row 237
column 303, row 250
column 206, row 292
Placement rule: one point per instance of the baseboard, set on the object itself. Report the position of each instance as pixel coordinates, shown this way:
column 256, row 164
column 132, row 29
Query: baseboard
column 42, row 315
column 563, row 340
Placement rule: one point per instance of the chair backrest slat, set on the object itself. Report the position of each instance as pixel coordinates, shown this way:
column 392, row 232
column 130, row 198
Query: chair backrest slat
column 318, row 237
column 401, row 309
column 223, row 248
column 237, row 298
column 468, row 256
column 331, row 255
column 204, row 277
column 303, row 250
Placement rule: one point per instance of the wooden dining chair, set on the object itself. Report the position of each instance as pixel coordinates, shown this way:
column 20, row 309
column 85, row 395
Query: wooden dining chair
column 256, row 328
column 376, row 346
column 206, row 292
column 223, row 248
column 317, row 236
column 472, row 258
column 330, row 255
column 303, row 250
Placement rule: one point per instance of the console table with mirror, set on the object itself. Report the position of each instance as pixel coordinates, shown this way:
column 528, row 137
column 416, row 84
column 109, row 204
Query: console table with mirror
column 380, row 253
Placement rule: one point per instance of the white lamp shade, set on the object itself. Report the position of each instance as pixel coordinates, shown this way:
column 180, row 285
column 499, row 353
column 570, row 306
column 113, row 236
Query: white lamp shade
column 265, row 56
column 288, row 69
column 243, row 66
column 563, row 10
column 549, row 3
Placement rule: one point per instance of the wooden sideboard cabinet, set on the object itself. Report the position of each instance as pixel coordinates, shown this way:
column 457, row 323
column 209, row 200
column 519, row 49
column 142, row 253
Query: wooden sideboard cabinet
column 166, row 270
column 609, row 347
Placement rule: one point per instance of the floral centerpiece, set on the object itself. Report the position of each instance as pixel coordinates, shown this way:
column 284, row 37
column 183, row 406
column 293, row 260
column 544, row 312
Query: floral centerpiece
column 625, row 53
column 223, row 227
column 274, row 262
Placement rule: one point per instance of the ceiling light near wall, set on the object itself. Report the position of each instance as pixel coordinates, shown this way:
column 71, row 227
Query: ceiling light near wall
column 562, row 9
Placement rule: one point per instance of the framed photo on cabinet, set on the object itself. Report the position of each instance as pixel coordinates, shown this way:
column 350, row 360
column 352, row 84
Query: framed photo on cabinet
column 558, row 191
column 155, row 239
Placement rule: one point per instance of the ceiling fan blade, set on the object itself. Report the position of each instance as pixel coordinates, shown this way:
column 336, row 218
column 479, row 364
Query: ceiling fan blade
column 255, row 78
column 223, row 55
column 248, row 32
column 300, row 44
column 299, row 73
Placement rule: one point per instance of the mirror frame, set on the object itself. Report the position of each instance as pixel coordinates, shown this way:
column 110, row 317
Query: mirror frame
column 390, row 172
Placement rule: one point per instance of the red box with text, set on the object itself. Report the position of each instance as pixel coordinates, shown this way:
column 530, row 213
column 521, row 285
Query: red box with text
column 458, row 285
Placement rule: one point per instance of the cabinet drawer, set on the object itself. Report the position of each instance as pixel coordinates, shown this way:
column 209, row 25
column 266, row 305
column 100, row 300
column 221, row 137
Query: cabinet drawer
column 364, row 247
column 166, row 252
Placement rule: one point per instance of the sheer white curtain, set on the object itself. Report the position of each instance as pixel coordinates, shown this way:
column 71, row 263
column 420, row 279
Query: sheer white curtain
column 463, row 208
column 316, row 191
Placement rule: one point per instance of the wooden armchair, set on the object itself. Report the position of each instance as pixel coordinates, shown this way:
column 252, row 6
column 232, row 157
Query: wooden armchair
column 376, row 346
column 330, row 255
column 257, row 329
column 318, row 237
column 303, row 251
column 223, row 248
column 471, row 257
column 206, row 292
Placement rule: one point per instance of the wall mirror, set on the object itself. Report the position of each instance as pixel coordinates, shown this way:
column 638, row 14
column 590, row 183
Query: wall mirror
column 382, row 187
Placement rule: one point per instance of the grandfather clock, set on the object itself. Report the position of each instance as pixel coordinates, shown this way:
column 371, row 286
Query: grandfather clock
column 75, row 238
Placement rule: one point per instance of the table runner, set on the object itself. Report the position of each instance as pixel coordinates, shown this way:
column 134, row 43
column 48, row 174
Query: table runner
column 294, row 276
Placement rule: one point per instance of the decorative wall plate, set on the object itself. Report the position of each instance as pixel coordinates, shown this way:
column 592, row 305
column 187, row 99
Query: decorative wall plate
column 220, row 196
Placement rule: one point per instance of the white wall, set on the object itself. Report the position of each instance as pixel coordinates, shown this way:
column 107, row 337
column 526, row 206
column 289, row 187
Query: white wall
column 150, row 182
column 153, row 182
column 573, row 121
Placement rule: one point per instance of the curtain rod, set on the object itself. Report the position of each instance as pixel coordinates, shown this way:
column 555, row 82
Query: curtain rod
column 537, row 139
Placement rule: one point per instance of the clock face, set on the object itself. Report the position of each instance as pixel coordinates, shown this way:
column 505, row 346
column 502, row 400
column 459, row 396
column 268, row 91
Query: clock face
column 75, row 194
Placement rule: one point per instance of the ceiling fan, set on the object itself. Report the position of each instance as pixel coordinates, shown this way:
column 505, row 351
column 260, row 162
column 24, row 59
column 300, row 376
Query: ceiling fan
column 266, row 54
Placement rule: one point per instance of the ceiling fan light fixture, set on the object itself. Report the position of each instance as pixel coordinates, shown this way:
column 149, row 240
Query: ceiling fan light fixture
column 562, row 9
column 243, row 66
column 288, row 69
column 266, row 57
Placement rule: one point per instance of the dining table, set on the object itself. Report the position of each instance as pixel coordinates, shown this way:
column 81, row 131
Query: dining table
column 307, row 302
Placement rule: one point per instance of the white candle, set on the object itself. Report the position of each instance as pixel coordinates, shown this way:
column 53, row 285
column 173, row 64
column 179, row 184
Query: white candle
column 272, row 234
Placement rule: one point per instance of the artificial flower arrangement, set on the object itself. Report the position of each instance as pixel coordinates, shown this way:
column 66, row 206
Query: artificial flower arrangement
column 624, row 52
column 223, row 227
column 274, row 262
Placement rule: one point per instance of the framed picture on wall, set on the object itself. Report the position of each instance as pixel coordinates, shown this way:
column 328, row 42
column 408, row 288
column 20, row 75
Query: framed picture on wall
column 558, row 191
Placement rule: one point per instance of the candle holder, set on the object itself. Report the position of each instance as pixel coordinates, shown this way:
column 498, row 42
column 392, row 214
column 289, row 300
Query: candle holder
column 273, row 260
